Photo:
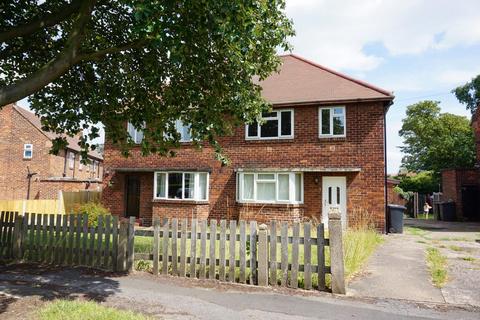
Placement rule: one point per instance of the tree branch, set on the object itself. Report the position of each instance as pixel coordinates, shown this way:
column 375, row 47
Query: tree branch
column 97, row 55
column 54, row 68
column 47, row 20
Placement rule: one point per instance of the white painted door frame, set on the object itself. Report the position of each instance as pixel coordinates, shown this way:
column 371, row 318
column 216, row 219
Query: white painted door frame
column 334, row 193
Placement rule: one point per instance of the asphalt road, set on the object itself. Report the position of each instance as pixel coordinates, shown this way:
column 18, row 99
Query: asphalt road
column 175, row 298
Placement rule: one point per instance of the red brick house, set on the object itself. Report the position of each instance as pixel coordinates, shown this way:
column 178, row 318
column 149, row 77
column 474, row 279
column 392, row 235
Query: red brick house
column 463, row 185
column 322, row 145
column 24, row 148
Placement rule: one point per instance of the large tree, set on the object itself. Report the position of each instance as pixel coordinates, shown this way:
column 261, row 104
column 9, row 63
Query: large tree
column 82, row 62
column 469, row 94
column 434, row 140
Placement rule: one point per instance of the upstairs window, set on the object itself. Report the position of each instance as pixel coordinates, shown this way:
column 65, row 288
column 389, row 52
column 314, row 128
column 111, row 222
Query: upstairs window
column 181, row 186
column 27, row 151
column 332, row 122
column 134, row 133
column 184, row 131
column 274, row 187
column 275, row 125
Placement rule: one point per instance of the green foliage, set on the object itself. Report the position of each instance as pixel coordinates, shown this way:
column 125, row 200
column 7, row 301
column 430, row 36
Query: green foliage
column 143, row 265
column 469, row 94
column 404, row 194
column 83, row 310
column 94, row 210
column 434, row 141
column 423, row 182
column 150, row 62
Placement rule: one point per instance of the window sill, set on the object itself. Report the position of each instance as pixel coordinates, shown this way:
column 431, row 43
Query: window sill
column 181, row 202
column 270, row 205
column 274, row 140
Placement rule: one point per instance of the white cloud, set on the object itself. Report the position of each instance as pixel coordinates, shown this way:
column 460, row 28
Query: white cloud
column 335, row 33
column 454, row 77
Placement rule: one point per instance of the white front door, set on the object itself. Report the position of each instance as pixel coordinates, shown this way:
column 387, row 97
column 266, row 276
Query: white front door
column 334, row 194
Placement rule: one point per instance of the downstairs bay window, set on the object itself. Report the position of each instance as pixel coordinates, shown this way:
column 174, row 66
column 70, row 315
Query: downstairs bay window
column 271, row 187
column 181, row 186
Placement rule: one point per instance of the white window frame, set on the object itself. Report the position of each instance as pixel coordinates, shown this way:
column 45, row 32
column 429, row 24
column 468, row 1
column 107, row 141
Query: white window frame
column 27, row 147
column 135, row 131
column 71, row 160
column 196, row 190
column 331, row 135
column 279, row 133
column 291, row 186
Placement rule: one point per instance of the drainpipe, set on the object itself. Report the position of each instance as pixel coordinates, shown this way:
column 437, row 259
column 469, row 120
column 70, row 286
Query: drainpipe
column 387, row 105
column 65, row 164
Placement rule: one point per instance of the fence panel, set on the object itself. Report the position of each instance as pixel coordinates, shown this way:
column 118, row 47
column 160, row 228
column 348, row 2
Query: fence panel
column 49, row 239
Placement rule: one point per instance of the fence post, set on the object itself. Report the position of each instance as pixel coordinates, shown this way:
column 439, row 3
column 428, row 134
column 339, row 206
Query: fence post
column 17, row 237
column 262, row 260
column 336, row 251
column 130, row 244
column 122, row 245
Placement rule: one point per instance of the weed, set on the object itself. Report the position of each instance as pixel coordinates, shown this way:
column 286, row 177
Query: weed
column 437, row 265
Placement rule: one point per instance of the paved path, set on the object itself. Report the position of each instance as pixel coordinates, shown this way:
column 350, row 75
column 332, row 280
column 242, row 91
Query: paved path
column 397, row 270
column 176, row 298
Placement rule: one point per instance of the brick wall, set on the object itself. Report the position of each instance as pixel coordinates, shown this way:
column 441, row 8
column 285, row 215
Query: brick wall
column 15, row 131
column 392, row 196
column 361, row 148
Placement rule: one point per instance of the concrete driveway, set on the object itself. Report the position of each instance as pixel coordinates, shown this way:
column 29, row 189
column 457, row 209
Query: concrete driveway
column 25, row 289
column 398, row 269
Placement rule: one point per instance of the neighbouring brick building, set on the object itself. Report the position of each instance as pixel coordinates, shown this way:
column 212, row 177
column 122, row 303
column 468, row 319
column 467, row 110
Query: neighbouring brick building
column 323, row 145
column 463, row 185
column 24, row 148
column 392, row 196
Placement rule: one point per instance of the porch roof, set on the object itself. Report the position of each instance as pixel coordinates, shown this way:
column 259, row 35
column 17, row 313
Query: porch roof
column 307, row 169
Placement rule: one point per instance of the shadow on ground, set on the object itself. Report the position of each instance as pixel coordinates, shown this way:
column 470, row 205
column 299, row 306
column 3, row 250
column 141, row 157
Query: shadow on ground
column 49, row 283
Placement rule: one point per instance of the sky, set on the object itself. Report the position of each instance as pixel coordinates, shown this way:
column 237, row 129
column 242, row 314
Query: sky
column 419, row 49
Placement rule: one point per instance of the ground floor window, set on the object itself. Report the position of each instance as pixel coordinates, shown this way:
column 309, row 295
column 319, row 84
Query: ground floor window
column 270, row 187
column 181, row 185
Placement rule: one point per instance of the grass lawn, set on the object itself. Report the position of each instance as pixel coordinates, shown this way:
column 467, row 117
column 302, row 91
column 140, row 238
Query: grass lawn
column 83, row 310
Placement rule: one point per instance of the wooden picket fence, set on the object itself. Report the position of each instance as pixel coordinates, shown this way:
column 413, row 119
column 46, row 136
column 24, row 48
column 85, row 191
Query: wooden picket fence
column 258, row 256
column 67, row 240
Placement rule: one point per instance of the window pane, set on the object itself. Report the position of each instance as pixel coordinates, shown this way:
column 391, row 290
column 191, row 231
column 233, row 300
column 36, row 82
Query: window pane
column 325, row 121
column 269, row 114
column 338, row 111
column 266, row 176
column 329, row 195
column 338, row 125
column 253, row 130
column 283, row 189
column 269, row 129
column 265, row 191
column 175, row 186
column 298, row 187
column 203, row 186
column 286, row 129
column 248, row 186
column 338, row 195
column 189, row 182
column 160, row 193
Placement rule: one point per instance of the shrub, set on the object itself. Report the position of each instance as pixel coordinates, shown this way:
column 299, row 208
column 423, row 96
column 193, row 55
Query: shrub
column 93, row 210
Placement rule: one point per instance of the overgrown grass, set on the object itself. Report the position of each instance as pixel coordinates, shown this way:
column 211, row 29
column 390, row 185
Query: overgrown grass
column 358, row 246
column 437, row 264
column 456, row 248
column 471, row 259
column 83, row 310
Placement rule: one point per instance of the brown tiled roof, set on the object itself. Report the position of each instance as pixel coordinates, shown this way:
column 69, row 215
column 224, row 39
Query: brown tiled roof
column 300, row 81
column 72, row 141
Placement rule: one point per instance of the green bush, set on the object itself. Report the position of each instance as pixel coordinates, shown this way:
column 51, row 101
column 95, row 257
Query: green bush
column 93, row 210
